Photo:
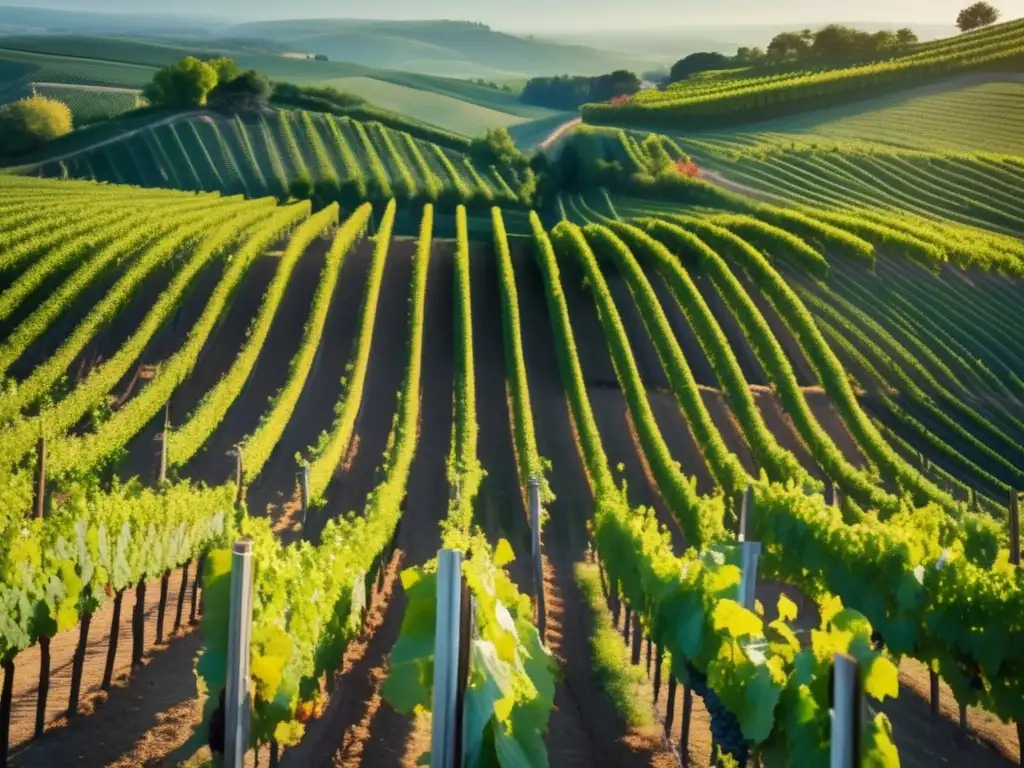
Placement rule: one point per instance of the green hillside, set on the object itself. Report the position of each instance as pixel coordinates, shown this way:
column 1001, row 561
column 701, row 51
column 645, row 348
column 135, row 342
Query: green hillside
column 265, row 155
column 456, row 105
column 749, row 95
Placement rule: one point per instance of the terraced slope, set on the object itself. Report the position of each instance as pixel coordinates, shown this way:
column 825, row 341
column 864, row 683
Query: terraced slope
column 263, row 326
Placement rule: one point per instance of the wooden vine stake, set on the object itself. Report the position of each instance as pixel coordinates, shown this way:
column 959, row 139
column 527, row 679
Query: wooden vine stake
column 5, row 708
column 304, row 489
column 847, row 712
column 44, row 685
column 161, row 466
column 237, row 705
column 78, row 664
column 115, row 633
column 451, row 661
column 1014, row 528
column 538, row 562
column 139, row 623
column 39, row 502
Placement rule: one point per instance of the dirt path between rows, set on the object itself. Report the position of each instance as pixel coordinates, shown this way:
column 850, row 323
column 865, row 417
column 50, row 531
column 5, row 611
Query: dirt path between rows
column 137, row 719
column 585, row 729
column 500, row 511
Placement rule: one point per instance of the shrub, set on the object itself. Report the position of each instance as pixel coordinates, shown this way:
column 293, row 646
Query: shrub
column 31, row 122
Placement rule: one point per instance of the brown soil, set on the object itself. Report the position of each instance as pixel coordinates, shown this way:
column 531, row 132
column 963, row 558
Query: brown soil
column 56, row 333
column 314, row 412
column 358, row 474
column 780, row 425
column 585, row 729
column 500, row 511
column 141, row 717
column 749, row 364
column 685, row 336
column 212, row 464
column 384, row 737
column 730, row 430
column 805, row 374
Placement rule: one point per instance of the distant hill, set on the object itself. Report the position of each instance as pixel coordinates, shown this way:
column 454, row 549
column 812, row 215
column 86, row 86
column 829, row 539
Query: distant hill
column 448, row 48
column 456, row 49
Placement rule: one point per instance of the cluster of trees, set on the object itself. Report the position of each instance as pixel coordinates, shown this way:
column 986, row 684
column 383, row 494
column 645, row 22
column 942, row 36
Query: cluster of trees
column 29, row 123
column 833, row 44
column 570, row 91
column 217, row 83
column 830, row 45
column 490, row 84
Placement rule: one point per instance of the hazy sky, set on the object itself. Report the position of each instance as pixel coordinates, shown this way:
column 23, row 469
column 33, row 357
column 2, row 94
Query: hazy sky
column 566, row 14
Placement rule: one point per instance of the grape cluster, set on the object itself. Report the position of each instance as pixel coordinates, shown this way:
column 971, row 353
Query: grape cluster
column 725, row 726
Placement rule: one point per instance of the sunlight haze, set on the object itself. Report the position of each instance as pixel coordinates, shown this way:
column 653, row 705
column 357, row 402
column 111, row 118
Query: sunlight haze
column 542, row 15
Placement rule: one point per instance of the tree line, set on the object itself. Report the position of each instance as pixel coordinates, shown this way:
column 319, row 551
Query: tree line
column 832, row 45
column 570, row 91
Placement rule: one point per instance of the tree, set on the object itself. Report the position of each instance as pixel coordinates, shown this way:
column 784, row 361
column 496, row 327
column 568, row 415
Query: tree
column 790, row 45
column 185, row 83
column 977, row 16
column 226, row 69
column 496, row 147
column 697, row 62
column 31, row 122
column 248, row 92
column 906, row 37
column 746, row 55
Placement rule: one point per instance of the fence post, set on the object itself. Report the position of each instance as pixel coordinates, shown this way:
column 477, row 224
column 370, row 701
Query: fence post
column 684, row 731
column 5, row 709
column 239, row 473
column 304, row 490
column 847, row 712
column 182, row 592
column 161, row 471
column 750, row 552
column 115, row 634
column 78, row 663
column 237, row 705
column 165, row 582
column 444, row 706
column 1014, row 528
column 39, row 508
column 833, row 493
column 44, row 684
column 538, row 562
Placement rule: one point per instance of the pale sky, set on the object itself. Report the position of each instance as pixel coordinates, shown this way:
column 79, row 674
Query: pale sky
column 565, row 14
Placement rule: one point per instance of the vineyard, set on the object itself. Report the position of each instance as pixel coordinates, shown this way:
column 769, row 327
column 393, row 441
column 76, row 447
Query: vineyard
column 183, row 369
column 741, row 97
column 267, row 155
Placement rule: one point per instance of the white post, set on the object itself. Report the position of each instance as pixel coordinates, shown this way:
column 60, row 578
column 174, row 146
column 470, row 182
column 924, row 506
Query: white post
column 236, row 698
column 750, row 554
column 846, row 714
column 746, row 511
column 446, row 658
column 538, row 563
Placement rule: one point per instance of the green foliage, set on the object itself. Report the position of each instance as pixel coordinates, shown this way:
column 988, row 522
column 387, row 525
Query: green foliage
column 56, row 570
column 977, row 16
column 779, row 463
column 257, row 447
column 528, row 457
column 325, row 459
column 511, row 687
column 185, row 83
column 31, row 122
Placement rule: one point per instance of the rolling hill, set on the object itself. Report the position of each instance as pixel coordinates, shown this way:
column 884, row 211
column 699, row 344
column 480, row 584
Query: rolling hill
column 749, row 95
column 456, row 105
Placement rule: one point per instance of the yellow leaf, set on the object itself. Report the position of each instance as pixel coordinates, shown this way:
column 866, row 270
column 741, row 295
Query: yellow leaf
column 787, row 609
column 503, row 554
